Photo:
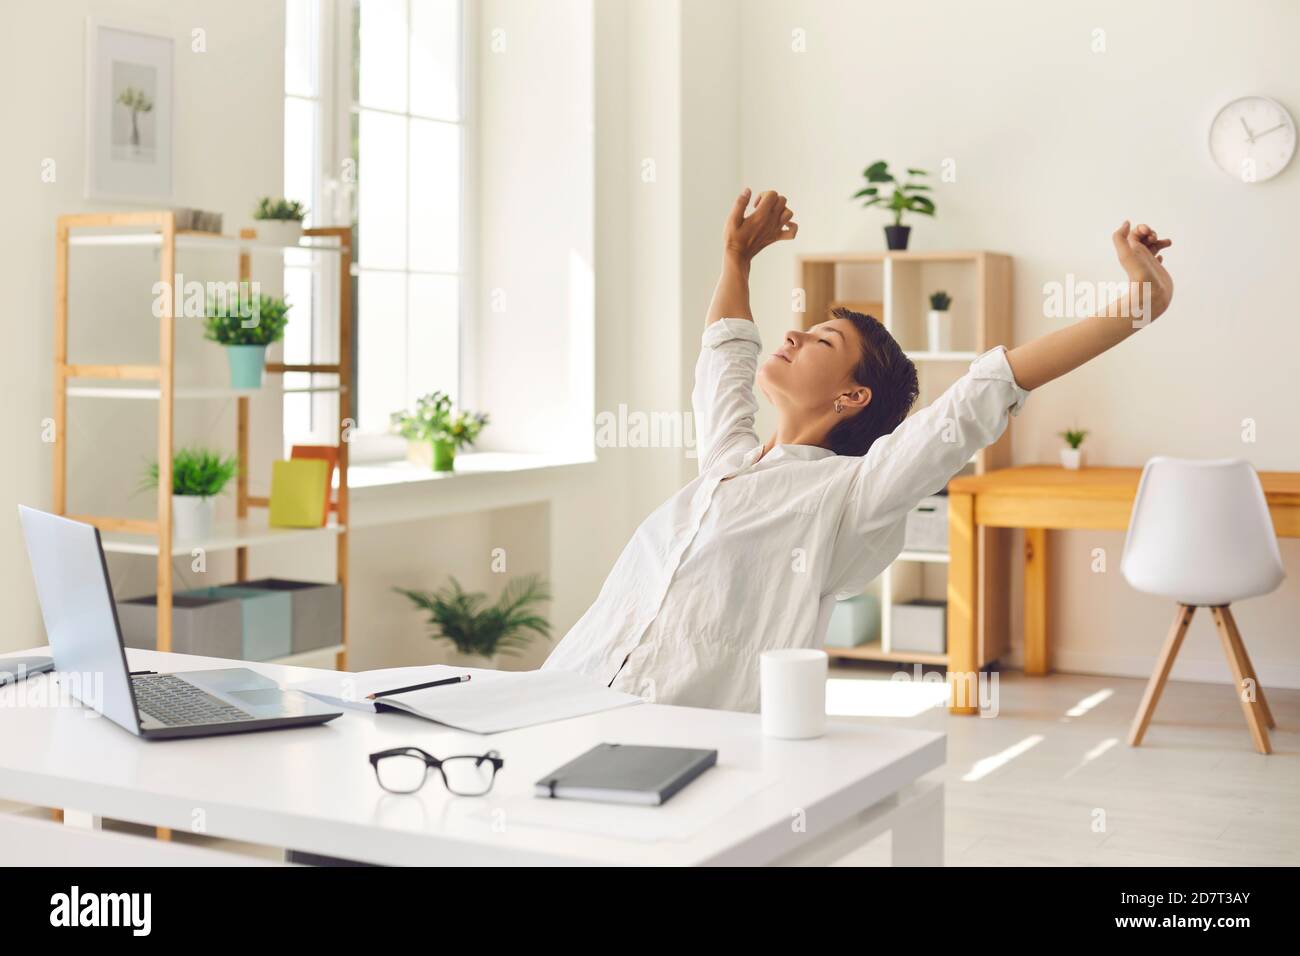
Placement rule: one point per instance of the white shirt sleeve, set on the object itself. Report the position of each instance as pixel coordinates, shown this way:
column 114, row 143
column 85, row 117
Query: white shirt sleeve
column 723, row 398
column 920, row 455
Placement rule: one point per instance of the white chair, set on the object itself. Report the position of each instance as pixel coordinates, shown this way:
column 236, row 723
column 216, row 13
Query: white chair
column 1201, row 535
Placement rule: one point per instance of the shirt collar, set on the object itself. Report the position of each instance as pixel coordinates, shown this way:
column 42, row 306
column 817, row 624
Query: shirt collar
column 802, row 452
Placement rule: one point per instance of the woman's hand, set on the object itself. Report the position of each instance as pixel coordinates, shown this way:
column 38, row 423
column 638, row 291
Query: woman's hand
column 1150, row 285
column 771, row 220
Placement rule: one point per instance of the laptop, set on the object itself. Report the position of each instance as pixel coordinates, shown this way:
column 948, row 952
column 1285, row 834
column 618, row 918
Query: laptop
column 85, row 637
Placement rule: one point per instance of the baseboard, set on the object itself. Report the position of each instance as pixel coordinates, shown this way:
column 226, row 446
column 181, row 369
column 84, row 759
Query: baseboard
column 1271, row 673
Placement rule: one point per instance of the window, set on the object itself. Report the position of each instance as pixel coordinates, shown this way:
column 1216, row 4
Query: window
column 375, row 134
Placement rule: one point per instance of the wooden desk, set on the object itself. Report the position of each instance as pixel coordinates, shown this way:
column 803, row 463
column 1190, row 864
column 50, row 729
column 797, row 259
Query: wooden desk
column 1042, row 498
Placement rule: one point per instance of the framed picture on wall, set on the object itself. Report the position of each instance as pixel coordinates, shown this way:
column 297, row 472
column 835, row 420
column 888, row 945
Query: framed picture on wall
column 128, row 114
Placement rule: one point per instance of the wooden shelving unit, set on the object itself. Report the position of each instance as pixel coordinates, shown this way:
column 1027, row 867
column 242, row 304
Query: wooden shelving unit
column 894, row 287
column 157, row 382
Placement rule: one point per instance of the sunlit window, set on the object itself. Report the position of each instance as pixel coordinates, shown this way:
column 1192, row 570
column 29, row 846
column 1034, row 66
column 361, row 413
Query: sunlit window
column 375, row 135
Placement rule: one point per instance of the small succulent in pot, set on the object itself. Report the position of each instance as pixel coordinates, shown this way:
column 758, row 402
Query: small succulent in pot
column 279, row 220
column 1072, row 456
column 938, row 324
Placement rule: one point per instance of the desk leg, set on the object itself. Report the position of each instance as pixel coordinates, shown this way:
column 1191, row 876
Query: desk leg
column 917, row 839
column 1036, row 662
column 963, row 606
column 82, row 820
column 913, row 817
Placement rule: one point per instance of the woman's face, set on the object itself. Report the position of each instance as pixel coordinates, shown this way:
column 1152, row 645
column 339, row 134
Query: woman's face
column 813, row 368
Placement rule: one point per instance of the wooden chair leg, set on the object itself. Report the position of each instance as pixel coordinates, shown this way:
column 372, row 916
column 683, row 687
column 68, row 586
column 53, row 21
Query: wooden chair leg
column 1177, row 631
column 1251, row 708
column 1249, row 668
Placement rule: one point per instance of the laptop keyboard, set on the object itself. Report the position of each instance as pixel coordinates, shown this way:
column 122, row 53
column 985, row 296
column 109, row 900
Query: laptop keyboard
column 178, row 703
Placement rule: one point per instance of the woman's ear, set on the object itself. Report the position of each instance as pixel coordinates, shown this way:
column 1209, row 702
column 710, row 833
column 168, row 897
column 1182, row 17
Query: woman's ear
column 853, row 401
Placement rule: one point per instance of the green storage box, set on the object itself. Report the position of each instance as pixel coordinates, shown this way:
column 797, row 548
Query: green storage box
column 316, row 613
column 854, row 621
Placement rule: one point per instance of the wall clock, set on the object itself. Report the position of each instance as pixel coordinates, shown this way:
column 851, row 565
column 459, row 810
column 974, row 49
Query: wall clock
column 1252, row 139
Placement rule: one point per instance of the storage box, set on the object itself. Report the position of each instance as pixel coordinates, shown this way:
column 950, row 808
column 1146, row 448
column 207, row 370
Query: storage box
column 208, row 626
column 854, row 621
column 920, row 625
column 316, row 611
column 265, row 618
column 927, row 525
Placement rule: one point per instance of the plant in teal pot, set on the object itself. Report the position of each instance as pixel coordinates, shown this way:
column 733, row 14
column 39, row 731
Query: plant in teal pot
column 436, row 425
column 246, row 324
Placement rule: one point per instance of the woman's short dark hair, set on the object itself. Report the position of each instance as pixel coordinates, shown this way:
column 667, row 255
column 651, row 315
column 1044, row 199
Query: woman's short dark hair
column 889, row 373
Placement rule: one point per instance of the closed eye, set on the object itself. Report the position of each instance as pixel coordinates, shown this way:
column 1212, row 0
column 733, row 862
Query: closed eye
column 826, row 342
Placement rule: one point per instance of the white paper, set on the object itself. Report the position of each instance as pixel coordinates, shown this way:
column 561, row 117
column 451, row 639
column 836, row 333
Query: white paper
column 490, row 702
column 350, row 690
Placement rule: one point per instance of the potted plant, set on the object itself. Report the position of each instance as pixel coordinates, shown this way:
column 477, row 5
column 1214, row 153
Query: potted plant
column 198, row 476
column 246, row 330
column 903, row 199
column 1072, row 456
column 279, row 220
column 938, row 325
column 479, row 631
column 434, row 423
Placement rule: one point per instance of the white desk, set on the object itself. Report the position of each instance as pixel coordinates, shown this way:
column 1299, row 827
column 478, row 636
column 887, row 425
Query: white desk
column 312, row 789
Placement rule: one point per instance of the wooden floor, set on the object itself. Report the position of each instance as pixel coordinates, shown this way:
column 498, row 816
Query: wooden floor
column 1052, row 781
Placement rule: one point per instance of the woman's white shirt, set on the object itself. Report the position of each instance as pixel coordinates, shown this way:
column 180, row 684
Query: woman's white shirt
column 752, row 554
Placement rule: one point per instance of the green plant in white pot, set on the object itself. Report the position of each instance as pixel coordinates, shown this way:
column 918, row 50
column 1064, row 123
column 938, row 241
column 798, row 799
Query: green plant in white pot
column 434, row 423
column 1072, row 454
column 198, row 476
column 279, row 220
column 246, row 326
column 938, row 324
column 482, row 632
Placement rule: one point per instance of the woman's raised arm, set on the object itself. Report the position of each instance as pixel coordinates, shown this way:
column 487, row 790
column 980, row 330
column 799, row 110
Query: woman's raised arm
column 743, row 237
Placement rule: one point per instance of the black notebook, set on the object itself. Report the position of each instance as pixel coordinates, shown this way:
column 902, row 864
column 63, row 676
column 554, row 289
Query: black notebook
column 624, row 773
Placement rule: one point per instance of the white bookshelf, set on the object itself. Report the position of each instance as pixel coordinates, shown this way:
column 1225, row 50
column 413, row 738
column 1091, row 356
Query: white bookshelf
column 894, row 287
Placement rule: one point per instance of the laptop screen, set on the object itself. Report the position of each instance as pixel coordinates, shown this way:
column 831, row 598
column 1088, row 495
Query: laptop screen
column 80, row 616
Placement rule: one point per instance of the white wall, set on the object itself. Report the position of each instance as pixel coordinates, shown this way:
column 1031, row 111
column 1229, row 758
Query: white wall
column 533, row 178
column 1054, row 146
column 227, row 151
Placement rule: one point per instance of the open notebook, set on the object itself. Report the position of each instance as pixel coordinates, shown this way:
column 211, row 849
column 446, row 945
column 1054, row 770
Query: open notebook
column 490, row 702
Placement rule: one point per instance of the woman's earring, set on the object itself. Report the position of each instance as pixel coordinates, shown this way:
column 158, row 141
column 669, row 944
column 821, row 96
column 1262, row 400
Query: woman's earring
column 838, row 408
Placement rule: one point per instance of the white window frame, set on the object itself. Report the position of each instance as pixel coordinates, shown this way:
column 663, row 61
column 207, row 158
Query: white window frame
column 325, row 406
column 336, row 201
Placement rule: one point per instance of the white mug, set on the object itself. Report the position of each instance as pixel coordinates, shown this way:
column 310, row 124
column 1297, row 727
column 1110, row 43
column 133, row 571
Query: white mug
column 792, row 689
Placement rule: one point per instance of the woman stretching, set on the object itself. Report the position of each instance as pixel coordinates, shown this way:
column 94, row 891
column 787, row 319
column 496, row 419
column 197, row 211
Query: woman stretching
column 753, row 553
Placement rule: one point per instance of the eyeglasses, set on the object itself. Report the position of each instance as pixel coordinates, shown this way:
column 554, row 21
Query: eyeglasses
column 404, row 770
